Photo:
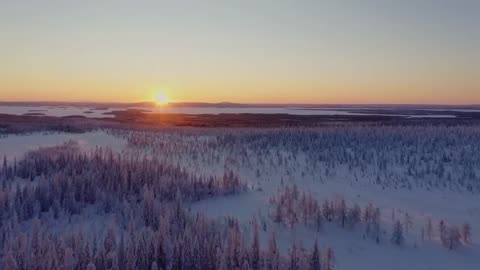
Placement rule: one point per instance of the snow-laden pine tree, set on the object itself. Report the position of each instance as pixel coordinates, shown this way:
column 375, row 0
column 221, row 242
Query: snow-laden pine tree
column 154, row 266
column 330, row 260
column 397, row 234
column 255, row 263
column 272, row 256
column 294, row 261
column 466, row 233
column 91, row 266
column 9, row 262
column 315, row 258
column 429, row 229
column 454, row 237
column 68, row 259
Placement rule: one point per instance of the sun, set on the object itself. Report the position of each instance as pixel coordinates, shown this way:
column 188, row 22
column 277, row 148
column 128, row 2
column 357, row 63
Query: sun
column 161, row 99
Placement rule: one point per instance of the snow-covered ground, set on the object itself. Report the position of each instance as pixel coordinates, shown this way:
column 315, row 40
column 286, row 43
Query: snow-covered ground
column 428, row 172
column 14, row 147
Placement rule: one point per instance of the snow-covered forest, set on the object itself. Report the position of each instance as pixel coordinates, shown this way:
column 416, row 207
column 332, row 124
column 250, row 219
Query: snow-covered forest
column 349, row 196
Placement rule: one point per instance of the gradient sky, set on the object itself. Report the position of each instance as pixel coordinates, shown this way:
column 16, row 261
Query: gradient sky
column 381, row 51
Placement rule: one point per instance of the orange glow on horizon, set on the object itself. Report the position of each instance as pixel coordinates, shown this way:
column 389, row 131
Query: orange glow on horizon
column 309, row 53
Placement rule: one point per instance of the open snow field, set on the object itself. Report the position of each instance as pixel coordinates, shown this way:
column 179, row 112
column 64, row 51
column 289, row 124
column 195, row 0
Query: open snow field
column 413, row 175
column 14, row 147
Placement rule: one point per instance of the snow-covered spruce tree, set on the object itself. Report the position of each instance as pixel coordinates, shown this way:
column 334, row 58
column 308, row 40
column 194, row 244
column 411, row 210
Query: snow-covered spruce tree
column 315, row 258
column 341, row 210
column 272, row 256
column 91, row 266
column 354, row 215
column 429, row 229
column 453, row 237
column 330, row 259
column 397, row 234
column 443, row 232
column 255, row 262
column 466, row 233
column 10, row 262
column 408, row 223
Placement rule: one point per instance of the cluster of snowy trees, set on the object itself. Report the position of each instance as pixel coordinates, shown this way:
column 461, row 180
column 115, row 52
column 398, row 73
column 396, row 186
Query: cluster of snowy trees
column 451, row 236
column 397, row 156
column 391, row 156
column 317, row 260
column 122, row 174
column 290, row 207
column 195, row 244
column 65, row 180
column 427, row 157
column 142, row 203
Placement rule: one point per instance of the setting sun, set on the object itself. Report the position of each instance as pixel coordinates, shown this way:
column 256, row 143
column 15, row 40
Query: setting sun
column 161, row 99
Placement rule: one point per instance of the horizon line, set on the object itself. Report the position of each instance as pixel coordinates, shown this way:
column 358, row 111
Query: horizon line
column 3, row 102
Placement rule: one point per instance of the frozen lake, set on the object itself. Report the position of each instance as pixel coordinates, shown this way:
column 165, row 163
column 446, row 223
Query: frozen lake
column 56, row 111
column 62, row 111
